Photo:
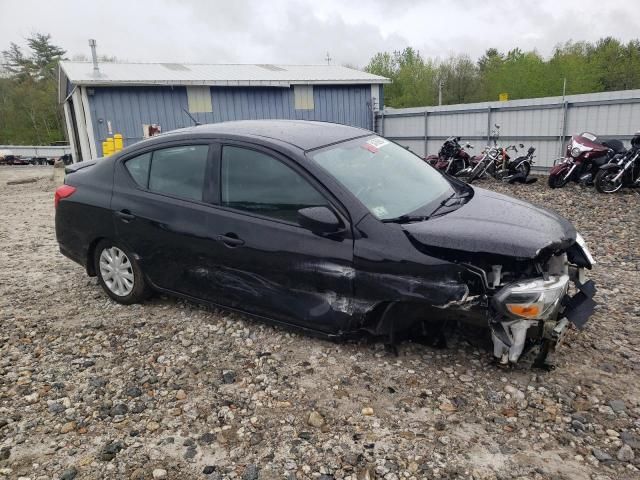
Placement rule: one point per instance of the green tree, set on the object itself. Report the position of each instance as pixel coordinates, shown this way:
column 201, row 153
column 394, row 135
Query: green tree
column 29, row 110
column 460, row 79
column 413, row 79
column 605, row 65
column 42, row 61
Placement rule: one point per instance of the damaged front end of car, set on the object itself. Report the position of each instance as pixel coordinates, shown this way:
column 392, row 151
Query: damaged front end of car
column 527, row 267
column 536, row 311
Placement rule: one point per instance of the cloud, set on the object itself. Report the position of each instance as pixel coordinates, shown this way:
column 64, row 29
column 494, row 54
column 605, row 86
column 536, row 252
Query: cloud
column 303, row 31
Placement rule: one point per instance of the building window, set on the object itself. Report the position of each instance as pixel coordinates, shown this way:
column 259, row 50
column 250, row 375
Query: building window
column 303, row 96
column 199, row 99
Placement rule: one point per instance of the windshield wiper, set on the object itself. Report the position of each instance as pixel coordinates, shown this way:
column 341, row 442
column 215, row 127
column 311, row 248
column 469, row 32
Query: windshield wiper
column 406, row 219
column 443, row 203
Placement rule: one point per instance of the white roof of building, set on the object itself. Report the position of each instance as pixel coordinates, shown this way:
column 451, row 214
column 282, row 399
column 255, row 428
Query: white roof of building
column 82, row 73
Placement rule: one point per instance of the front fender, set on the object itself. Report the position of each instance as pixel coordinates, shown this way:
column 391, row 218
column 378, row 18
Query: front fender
column 559, row 169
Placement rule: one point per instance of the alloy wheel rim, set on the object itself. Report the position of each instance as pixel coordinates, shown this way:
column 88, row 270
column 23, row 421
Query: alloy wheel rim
column 116, row 271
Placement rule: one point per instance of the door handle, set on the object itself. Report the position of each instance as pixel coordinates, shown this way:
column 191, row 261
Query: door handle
column 230, row 240
column 125, row 215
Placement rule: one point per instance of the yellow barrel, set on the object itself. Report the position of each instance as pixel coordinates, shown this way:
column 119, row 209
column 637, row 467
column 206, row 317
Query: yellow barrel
column 117, row 142
column 105, row 149
column 110, row 146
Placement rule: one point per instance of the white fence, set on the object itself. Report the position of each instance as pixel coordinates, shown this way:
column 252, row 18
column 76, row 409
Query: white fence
column 546, row 123
column 37, row 150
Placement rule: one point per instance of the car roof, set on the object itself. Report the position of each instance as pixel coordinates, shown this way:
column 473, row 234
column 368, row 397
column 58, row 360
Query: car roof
column 304, row 134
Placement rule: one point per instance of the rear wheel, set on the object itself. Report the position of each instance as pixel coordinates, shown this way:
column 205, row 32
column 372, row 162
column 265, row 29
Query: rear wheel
column 119, row 274
column 605, row 182
column 558, row 181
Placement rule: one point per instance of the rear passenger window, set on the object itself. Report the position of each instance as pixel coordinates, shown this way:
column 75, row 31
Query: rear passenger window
column 138, row 167
column 179, row 171
column 256, row 182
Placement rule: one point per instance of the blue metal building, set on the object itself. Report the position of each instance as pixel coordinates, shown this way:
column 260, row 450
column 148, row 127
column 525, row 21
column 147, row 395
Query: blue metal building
column 136, row 99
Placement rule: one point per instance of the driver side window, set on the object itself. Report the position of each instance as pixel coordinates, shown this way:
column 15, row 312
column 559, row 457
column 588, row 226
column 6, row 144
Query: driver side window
column 255, row 182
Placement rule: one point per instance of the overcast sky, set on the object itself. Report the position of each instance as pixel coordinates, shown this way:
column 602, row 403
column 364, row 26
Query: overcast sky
column 299, row 31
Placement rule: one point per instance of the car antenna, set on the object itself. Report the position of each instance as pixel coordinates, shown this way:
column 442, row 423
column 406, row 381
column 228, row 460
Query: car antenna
column 196, row 122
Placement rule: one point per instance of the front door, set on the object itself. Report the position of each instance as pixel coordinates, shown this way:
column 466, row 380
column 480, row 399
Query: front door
column 267, row 264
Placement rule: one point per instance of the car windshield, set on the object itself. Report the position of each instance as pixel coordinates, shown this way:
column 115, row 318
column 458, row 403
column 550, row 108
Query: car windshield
column 389, row 180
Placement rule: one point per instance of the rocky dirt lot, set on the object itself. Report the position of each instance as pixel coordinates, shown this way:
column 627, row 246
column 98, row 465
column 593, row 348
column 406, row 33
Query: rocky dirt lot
column 91, row 389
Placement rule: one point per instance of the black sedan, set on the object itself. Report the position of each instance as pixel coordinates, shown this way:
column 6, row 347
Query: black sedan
column 324, row 227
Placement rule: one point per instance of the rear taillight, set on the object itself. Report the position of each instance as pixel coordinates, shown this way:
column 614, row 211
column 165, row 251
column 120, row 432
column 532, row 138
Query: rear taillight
column 63, row 192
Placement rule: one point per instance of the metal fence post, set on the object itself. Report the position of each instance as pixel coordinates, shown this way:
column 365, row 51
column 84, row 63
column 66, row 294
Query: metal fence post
column 426, row 135
column 488, row 125
column 563, row 131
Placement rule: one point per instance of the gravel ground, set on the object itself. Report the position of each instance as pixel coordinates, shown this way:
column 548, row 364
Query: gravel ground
column 168, row 389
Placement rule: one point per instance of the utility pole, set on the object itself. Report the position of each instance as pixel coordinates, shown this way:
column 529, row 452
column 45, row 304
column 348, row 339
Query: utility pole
column 328, row 59
column 440, row 84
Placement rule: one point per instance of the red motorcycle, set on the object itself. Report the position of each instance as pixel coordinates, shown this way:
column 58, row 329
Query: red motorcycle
column 586, row 153
column 451, row 158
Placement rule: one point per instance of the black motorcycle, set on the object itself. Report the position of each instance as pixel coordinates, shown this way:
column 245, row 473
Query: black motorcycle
column 523, row 163
column 451, row 157
column 623, row 171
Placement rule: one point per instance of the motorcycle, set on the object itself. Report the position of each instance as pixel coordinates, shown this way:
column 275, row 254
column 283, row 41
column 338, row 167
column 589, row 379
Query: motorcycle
column 495, row 161
column 622, row 172
column 479, row 164
column 451, row 157
column 487, row 163
column 585, row 154
column 520, row 166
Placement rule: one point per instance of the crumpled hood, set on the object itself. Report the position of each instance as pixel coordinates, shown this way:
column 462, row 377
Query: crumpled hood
column 494, row 223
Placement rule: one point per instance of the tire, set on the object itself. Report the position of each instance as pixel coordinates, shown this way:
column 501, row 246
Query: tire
column 475, row 172
column 602, row 181
column 463, row 174
column 557, row 181
column 127, row 287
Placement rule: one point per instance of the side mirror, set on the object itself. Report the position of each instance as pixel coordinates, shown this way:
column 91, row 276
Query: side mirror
column 497, row 125
column 319, row 220
column 522, row 145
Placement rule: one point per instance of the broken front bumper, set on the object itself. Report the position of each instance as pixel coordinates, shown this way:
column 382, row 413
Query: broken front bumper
column 554, row 317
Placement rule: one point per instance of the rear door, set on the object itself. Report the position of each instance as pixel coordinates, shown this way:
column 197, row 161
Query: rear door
column 160, row 205
column 267, row 263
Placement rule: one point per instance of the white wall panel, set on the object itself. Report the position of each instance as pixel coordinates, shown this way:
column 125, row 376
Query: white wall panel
column 539, row 122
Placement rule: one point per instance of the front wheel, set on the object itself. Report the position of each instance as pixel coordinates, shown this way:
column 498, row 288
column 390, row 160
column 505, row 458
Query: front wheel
column 475, row 172
column 119, row 274
column 463, row 174
column 558, row 181
column 605, row 182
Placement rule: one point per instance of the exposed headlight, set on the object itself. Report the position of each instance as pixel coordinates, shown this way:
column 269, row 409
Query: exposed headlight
column 580, row 241
column 533, row 299
column 575, row 152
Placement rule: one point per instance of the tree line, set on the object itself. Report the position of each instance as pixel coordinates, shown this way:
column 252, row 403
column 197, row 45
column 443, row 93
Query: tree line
column 30, row 113
column 605, row 65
